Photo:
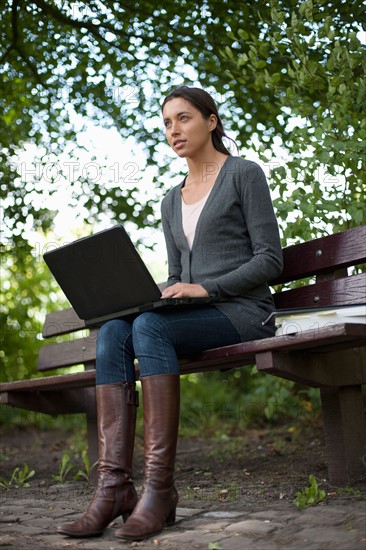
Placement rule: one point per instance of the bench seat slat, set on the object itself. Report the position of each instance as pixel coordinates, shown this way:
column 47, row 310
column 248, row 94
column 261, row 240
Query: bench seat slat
column 54, row 400
column 320, row 341
column 339, row 335
column 61, row 381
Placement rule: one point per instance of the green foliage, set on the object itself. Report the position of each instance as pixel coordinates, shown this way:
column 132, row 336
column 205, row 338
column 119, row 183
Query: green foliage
column 64, row 469
column 220, row 403
column 87, row 470
column 19, row 478
column 20, row 299
column 290, row 73
column 68, row 468
column 306, row 67
column 79, row 449
column 310, row 496
column 279, row 400
column 13, row 418
column 348, row 491
column 28, row 290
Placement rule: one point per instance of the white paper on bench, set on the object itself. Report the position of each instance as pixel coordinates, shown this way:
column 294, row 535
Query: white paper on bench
column 315, row 319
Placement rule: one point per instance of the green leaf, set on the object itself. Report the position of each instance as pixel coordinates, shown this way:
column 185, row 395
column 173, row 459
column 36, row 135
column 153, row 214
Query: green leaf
column 310, row 496
column 243, row 34
column 261, row 64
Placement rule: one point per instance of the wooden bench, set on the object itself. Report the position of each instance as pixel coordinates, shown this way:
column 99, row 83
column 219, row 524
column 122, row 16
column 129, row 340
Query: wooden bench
column 330, row 358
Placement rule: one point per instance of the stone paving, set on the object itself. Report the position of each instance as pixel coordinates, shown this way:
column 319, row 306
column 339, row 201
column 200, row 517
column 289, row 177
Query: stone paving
column 27, row 522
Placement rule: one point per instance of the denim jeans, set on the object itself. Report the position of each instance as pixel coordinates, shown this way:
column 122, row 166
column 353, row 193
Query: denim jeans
column 156, row 340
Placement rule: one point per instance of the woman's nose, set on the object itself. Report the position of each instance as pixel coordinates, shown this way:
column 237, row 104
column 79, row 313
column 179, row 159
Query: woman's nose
column 174, row 128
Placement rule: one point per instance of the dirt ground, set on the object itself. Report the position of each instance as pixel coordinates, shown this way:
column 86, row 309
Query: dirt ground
column 253, row 468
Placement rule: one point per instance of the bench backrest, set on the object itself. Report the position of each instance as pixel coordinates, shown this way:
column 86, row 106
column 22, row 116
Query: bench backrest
column 325, row 260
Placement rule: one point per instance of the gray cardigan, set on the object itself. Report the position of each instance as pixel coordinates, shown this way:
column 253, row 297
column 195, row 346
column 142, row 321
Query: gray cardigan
column 236, row 248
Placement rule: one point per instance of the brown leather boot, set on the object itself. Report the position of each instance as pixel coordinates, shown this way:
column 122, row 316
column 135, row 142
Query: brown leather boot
column 159, row 498
column 115, row 494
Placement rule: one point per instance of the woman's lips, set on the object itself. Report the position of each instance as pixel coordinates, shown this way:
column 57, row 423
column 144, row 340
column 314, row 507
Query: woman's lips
column 177, row 144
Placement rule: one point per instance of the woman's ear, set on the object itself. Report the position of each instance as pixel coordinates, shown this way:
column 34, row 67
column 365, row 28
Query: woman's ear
column 212, row 122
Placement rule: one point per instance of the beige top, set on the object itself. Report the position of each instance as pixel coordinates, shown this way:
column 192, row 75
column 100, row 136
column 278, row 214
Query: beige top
column 190, row 215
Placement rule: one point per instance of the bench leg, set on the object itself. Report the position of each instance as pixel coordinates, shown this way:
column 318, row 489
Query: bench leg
column 345, row 433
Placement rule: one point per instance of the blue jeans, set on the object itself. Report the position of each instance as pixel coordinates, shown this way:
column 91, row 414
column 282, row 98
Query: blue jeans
column 156, row 340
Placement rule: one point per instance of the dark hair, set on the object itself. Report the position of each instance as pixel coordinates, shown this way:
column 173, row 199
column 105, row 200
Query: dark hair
column 203, row 102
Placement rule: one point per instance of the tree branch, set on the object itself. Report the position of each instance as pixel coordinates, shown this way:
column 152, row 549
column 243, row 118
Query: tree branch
column 94, row 29
column 6, row 53
column 16, row 46
column 91, row 27
column 14, row 28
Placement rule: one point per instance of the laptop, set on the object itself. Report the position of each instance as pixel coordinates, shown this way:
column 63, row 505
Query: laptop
column 104, row 277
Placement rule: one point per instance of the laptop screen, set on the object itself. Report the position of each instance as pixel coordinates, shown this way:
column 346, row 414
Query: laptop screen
column 102, row 273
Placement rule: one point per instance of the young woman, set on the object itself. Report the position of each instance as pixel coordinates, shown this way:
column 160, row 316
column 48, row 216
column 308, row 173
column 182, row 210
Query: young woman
column 222, row 241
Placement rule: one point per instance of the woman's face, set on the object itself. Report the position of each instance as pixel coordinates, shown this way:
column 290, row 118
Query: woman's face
column 187, row 131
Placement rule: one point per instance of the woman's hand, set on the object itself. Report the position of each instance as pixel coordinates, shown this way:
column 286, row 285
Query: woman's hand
column 184, row 290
